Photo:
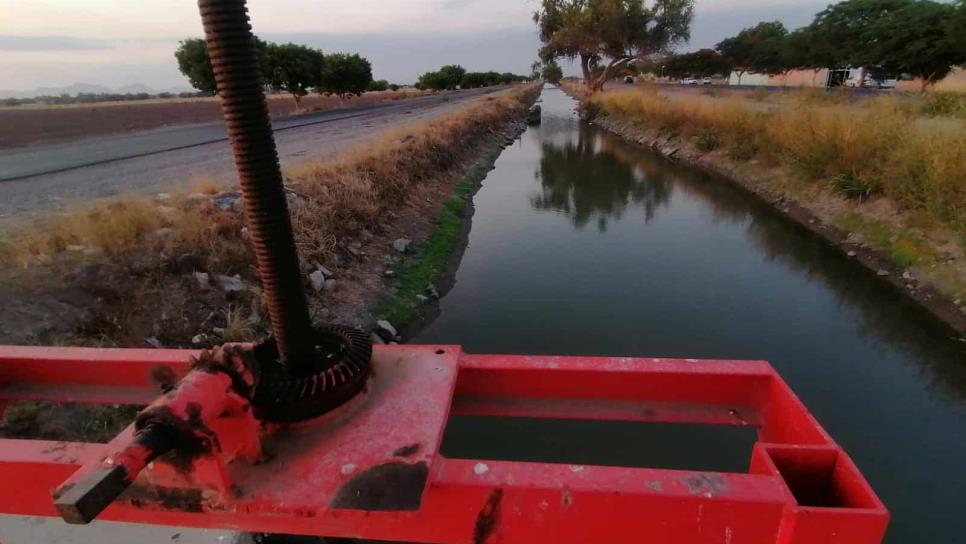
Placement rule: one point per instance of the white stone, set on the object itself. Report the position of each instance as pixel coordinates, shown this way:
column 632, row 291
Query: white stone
column 203, row 280
column 387, row 326
column 318, row 280
column 231, row 284
column 401, row 245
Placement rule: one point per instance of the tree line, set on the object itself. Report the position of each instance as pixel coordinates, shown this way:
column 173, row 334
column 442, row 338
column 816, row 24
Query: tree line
column 454, row 76
column 292, row 68
column 921, row 38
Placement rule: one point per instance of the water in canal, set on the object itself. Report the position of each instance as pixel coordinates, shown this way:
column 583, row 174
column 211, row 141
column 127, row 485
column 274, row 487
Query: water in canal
column 582, row 244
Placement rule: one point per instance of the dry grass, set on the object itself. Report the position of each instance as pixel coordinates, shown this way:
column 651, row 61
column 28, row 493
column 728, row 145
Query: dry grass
column 858, row 149
column 363, row 187
column 333, row 201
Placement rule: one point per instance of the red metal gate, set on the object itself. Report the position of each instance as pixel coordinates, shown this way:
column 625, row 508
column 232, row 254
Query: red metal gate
column 372, row 468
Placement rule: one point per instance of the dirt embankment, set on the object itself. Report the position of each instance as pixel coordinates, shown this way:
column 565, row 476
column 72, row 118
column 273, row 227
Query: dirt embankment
column 868, row 231
column 28, row 125
column 175, row 270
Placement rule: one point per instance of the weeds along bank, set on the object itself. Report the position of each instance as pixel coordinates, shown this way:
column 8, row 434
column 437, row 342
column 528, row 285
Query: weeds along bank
column 176, row 269
column 884, row 176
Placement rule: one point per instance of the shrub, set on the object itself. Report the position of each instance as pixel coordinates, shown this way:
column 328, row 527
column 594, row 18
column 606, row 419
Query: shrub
column 379, row 85
column 707, row 140
column 852, row 187
column 944, row 104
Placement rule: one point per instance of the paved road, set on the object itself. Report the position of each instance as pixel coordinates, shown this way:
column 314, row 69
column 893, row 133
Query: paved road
column 38, row 178
column 31, row 530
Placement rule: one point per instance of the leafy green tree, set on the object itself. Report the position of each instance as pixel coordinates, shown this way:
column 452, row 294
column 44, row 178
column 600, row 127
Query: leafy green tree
column 806, row 49
column 379, row 85
column 345, row 74
column 756, row 49
column 552, row 73
column 454, row 73
column 609, row 34
column 956, row 27
column 448, row 77
column 706, row 62
column 434, row 81
column 194, row 63
column 492, row 78
column 915, row 39
column 474, row 80
column 293, row 68
column 854, row 28
column 393, row 87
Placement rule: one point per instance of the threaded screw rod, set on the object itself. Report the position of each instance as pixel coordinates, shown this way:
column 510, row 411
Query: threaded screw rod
column 234, row 58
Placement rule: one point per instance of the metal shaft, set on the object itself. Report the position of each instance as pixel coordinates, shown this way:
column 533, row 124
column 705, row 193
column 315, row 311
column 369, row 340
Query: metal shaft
column 234, row 58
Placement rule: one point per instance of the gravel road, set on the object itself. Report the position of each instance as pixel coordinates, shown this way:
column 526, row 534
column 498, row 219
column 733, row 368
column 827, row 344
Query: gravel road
column 40, row 178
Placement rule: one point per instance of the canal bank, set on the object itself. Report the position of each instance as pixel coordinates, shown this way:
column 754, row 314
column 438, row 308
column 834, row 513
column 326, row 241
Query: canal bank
column 584, row 245
column 875, row 233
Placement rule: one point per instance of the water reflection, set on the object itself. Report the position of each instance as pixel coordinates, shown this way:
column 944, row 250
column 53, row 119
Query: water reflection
column 585, row 181
column 597, row 177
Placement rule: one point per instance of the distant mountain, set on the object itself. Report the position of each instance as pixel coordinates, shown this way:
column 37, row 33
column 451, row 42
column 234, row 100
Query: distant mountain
column 79, row 88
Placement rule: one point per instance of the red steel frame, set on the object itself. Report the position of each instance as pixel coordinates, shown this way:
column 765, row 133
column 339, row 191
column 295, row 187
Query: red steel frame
column 801, row 487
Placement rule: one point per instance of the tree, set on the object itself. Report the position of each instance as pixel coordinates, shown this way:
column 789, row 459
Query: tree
column 609, row 34
column 448, row 77
column 474, row 80
column 454, row 73
column 293, row 68
column 854, row 28
column 345, row 74
column 536, row 69
column 757, row 49
column 805, row 48
column 706, row 62
column 194, row 63
column 915, row 39
column 379, row 85
column 552, row 73
column 435, row 81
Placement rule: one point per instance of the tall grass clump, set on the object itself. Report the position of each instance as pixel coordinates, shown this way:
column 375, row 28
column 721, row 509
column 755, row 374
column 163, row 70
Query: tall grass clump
column 944, row 104
column 858, row 149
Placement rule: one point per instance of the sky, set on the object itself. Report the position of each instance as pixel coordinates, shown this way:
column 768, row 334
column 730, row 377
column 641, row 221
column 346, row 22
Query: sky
column 55, row 43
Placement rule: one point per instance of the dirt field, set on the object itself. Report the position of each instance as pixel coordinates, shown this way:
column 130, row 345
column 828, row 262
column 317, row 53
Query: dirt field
column 23, row 126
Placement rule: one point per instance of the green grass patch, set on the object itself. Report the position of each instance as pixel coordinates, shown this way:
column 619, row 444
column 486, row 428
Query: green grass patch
column 904, row 248
column 415, row 273
column 707, row 140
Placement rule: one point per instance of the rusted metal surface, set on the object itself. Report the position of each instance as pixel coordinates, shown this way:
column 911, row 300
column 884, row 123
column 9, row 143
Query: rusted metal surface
column 234, row 59
column 179, row 422
column 371, row 469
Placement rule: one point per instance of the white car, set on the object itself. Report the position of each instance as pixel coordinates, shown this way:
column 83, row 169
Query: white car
column 706, row 81
column 689, row 81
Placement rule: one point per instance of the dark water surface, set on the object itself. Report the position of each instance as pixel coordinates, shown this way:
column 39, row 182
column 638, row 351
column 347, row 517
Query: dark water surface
column 584, row 245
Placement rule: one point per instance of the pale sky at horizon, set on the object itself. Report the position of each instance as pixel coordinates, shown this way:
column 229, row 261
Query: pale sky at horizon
column 121, row 42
